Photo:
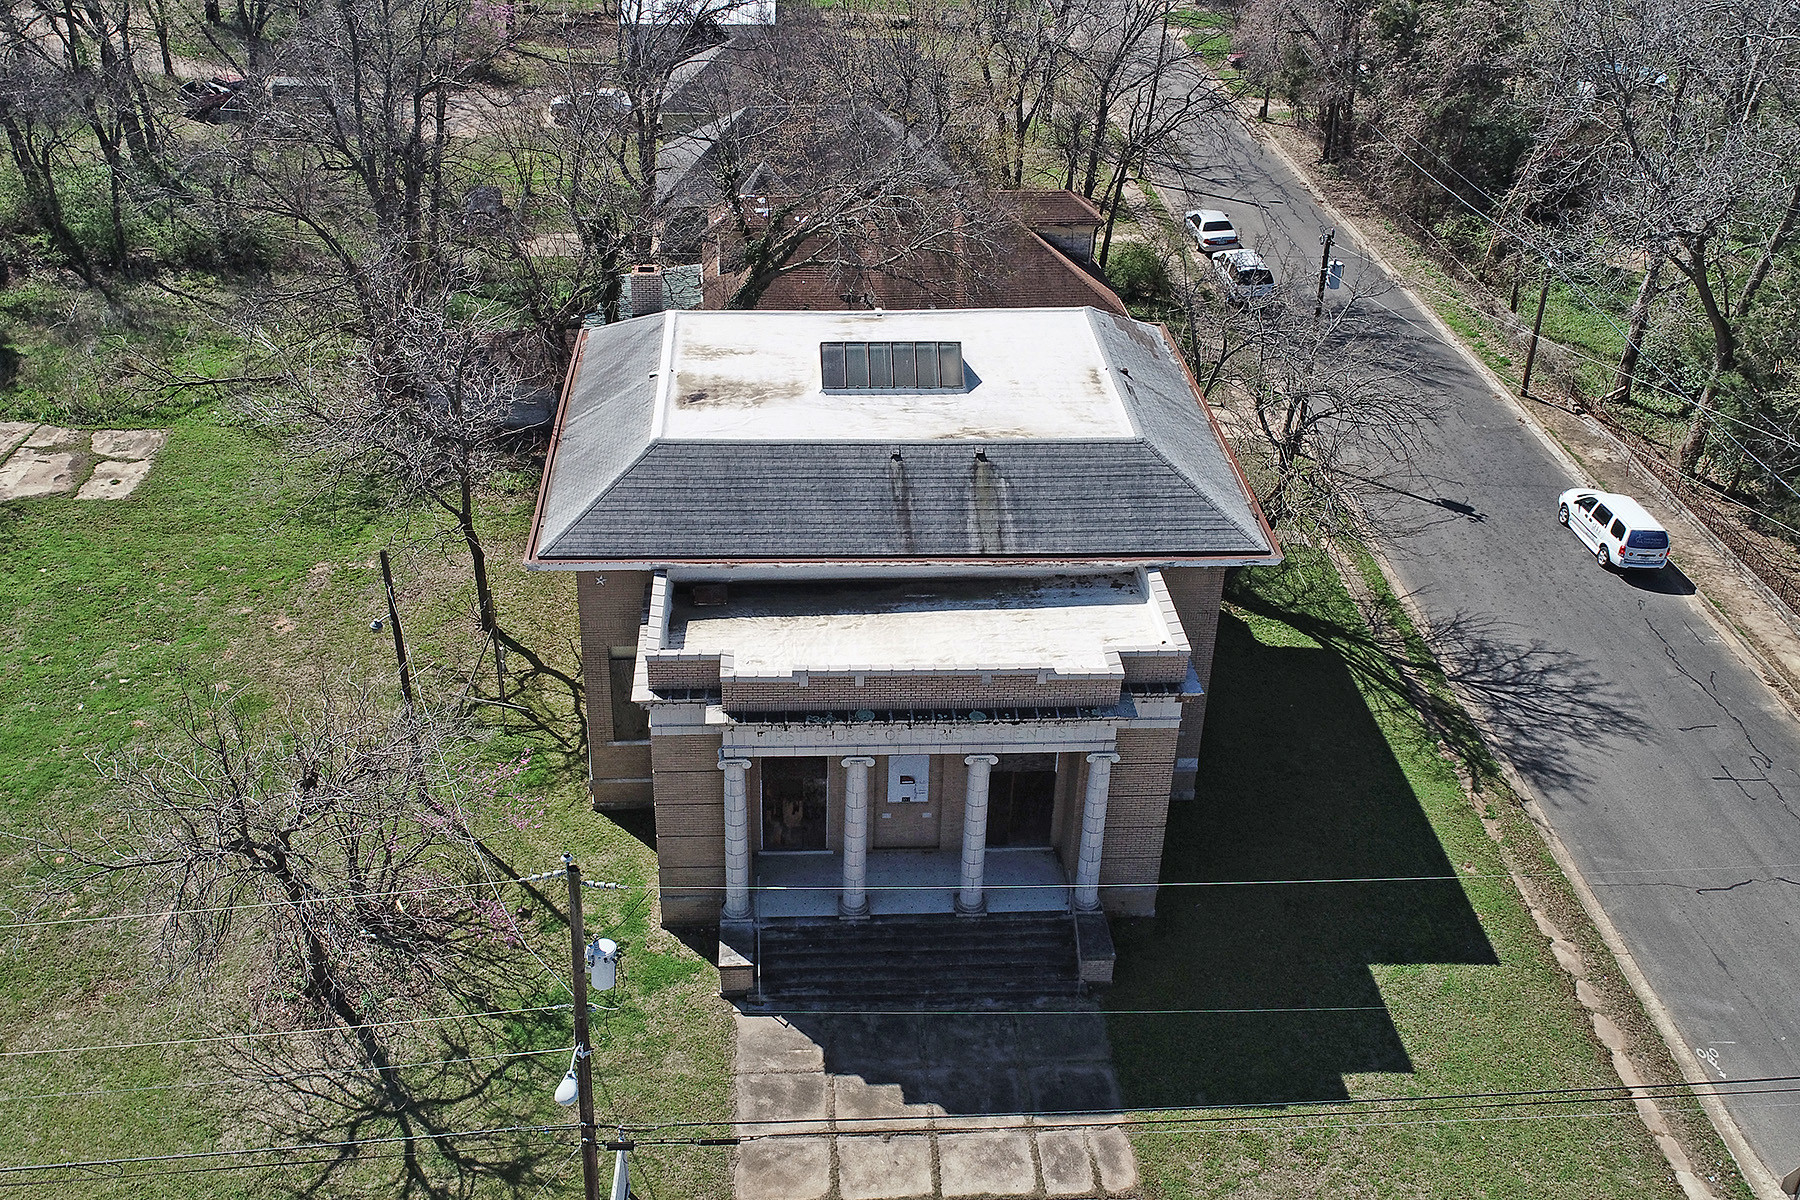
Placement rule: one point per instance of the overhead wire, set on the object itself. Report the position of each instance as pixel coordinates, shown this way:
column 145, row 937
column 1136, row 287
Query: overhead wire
column 1551, row 264
column 280, row 1033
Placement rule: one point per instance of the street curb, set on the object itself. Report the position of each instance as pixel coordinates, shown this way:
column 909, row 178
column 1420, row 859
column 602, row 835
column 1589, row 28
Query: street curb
column 1761, row 1179
column 1787, row 691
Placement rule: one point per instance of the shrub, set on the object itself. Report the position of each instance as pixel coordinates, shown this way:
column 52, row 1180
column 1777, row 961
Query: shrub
column 1138, row 274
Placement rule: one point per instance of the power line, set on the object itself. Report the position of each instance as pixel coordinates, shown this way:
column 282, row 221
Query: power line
column 190, row 1155
column 240, row 1079
column 1568, row 1095
column 257, row 905
column 1550, row 263
column 277, row 1033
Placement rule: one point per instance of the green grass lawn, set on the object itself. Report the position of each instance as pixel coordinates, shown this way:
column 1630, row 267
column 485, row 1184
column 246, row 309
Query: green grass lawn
column 235, row 567
column 1315, row 767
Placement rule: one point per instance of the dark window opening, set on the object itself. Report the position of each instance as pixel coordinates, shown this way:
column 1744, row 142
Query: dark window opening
column 793, row 803
column 1649, row 539
column 1021, row 800
column 1618, row 529
column 1602, row 515
column 890, row 366
column 1585, row 504
column 630, row 721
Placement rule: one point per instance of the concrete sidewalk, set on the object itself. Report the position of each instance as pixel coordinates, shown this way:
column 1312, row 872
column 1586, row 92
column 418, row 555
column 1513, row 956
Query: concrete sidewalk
column 885, row 1107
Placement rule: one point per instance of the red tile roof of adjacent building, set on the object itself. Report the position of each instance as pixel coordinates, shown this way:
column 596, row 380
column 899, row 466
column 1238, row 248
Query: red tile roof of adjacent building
column 1051, row 206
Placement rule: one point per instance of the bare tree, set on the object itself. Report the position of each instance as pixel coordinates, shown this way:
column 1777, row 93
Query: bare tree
column 1673, row 121
column 1022, row 53
column 332, row 850
column 1335, row 418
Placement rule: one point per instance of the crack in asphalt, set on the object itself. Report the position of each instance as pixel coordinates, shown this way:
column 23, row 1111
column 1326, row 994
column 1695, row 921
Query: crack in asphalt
column 1757, row 756
column 1684, row 887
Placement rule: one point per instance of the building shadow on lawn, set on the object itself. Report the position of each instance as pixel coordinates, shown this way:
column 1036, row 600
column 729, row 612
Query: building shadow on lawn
column 1296, row 783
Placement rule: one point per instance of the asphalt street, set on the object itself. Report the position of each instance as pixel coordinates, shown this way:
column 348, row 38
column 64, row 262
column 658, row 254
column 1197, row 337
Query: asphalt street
column 1665, row 764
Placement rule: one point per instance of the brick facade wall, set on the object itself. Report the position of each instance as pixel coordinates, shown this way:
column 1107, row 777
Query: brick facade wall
column 1196, row 592
column 1137, row 814
column 1155, row 668
column 690, row 827
column 669, row 671
column 921, row 690
column 611, row 608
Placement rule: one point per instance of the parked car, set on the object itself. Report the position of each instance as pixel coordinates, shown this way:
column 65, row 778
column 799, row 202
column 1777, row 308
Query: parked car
column 601, row 104
column 1616, row 528
column 1212, row 230
column 1244, row 276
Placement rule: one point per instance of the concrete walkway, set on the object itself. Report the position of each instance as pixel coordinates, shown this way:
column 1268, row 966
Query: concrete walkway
column 48, row 460
column 885, row 1107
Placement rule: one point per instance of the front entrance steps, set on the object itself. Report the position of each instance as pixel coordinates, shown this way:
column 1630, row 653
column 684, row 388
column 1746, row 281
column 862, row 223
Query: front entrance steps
column 918, row 961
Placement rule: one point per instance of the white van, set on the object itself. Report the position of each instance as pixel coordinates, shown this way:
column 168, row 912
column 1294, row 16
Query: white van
column 1243, row 274
column 1616, row 528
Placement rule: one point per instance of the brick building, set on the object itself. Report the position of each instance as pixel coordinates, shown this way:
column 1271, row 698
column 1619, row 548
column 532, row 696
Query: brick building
column 900, row 612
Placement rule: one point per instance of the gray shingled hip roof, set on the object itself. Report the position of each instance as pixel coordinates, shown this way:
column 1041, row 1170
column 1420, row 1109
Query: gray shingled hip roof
column 615, row 491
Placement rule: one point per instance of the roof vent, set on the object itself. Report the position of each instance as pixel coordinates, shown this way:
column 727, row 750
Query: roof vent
column 891, row 366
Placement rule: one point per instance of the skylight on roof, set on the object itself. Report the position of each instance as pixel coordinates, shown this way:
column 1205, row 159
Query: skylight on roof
column 891, row 366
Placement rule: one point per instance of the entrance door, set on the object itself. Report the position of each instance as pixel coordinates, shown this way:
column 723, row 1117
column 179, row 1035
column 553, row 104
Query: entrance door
column 793, row 803
column 1021, row 800
column 906, row 818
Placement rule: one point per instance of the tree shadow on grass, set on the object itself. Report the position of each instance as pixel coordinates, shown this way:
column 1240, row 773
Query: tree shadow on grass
column 1298, row 783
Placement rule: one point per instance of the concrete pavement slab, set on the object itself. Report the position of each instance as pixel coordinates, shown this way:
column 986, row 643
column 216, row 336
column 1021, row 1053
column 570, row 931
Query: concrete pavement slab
column 36, row 473
column 772, row 1044
column 12, row 433
column 45, row 437
column 1078, row 1087
column 783, row 1169
column 134, row 444
column 1064, row 1037
column 1114, row 1160
column 893, row 1167
column 996, row 1163
column 798, row 1100
column 954, row 1040
column 113, row 480
column 1066, row 1162
column 989, row 1087
column 861, row 1106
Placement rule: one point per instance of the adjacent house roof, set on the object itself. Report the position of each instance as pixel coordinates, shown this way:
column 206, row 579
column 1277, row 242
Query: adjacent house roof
column 1052, row 206
column 707, row 437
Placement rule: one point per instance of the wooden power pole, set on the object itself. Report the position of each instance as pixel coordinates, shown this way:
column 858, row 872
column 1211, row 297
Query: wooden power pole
column 584, row 1077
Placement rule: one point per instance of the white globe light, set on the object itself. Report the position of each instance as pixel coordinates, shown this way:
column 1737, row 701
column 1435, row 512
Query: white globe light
column 566, row 1090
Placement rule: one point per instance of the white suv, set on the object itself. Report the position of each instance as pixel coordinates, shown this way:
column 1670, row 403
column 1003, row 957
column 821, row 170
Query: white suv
column 1616, row 528
column 1243, row 274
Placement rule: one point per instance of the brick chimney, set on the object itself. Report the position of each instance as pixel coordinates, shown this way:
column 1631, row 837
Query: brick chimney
column 646, row 289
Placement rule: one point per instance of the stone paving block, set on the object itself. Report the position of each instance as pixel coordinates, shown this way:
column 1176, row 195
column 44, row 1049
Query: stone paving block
column 1077, row 1087
column 1114, row 1160
column 771, row 1044
column 783, row 1169
column 11, row 434
column 796, row 1099
column 997, row 1163
column 951, row 1041
column 978, row 1090
column 867, row 1045
column 46, row 436
column 35, row 473
column 1062, row 1038
column 896, row 1167
column 861, row 1106
column 1066, row 1162
column 129, row 443
column 113, row 480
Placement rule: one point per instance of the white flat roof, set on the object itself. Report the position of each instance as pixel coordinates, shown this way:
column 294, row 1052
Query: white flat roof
column 754, row 376
column 1065, row 624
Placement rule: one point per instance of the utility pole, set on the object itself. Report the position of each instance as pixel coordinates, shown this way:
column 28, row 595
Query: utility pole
column 584, row 1079
column 1536, row 325
column 1325, row 239
column 387, row 579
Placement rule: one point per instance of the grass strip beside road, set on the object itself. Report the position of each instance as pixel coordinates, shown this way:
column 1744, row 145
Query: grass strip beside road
column 1318, row 765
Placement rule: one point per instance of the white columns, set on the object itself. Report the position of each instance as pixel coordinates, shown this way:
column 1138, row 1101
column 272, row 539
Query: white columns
column 1093, row 831
column 737, row 840
column 853, row 904
column 969, row 900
